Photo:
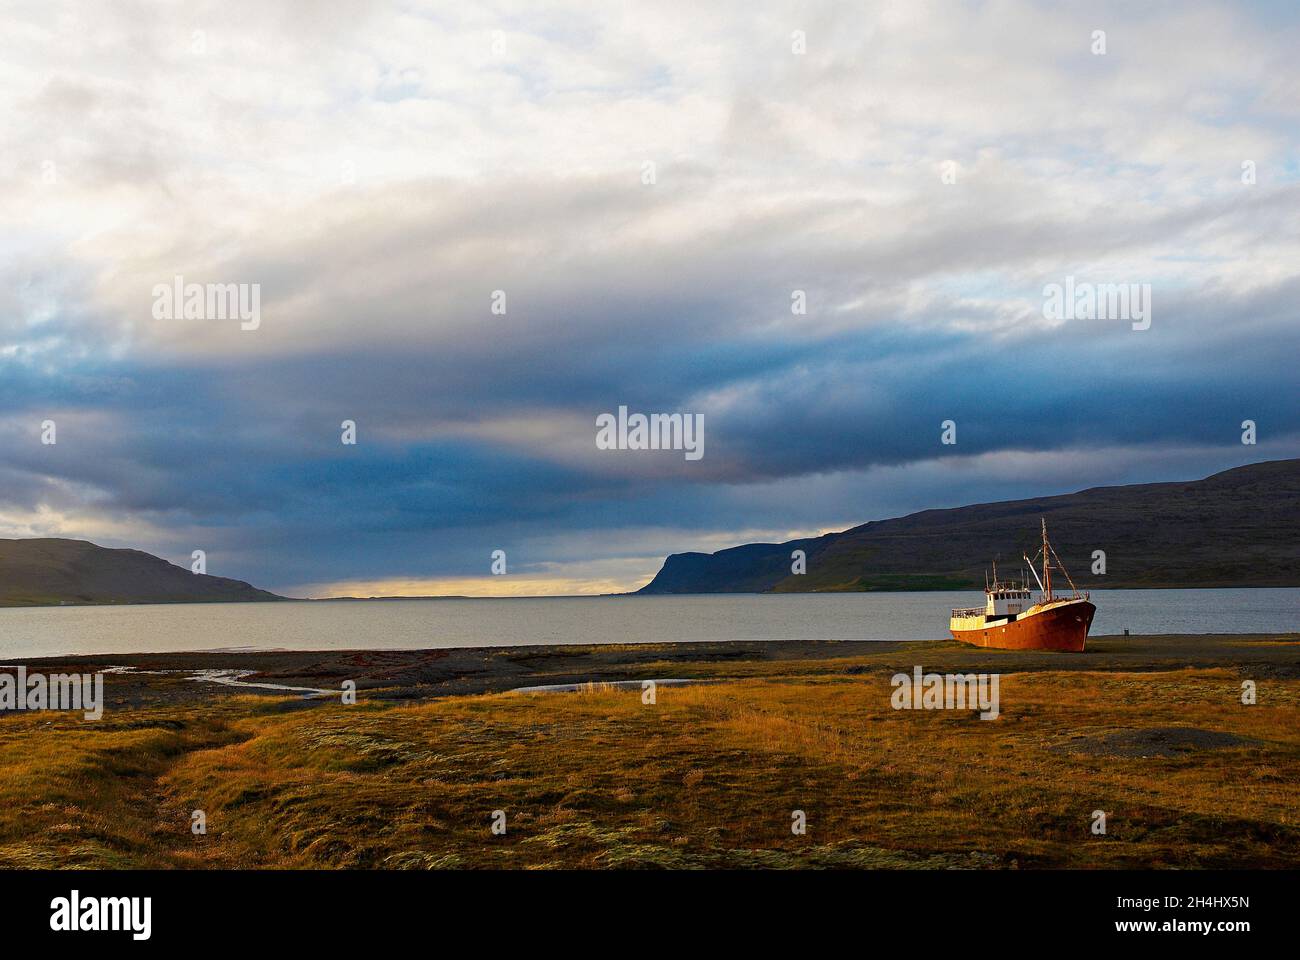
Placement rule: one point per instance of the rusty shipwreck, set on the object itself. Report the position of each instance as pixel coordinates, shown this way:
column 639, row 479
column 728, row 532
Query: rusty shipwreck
column 1012, row 620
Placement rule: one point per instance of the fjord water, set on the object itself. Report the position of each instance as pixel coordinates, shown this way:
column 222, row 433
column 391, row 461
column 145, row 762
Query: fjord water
column 413, row 624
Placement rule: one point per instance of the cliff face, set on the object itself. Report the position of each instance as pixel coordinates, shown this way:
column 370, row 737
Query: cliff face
column 53, row 571
column 1239, row 528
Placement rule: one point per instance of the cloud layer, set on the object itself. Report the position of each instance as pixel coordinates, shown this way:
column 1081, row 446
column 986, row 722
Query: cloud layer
column 920, row 172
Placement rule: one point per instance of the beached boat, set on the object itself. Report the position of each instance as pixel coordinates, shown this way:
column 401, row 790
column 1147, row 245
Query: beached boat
column 1011, row 620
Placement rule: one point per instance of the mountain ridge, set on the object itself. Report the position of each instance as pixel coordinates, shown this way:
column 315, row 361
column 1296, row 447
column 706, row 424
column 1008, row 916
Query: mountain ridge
column 54, row 571
column 1236, row 528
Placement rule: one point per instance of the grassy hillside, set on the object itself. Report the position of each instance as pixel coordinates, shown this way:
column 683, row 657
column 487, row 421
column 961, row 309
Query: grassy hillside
column 1237, row 528
column 53, row 571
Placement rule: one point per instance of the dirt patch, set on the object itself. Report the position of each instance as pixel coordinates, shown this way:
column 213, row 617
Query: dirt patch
column 1166, row 742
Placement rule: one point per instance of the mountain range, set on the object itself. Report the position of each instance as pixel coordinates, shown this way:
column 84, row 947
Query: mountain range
column 1239, row 528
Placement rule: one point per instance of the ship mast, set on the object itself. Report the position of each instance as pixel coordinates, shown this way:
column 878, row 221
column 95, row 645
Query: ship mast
column 1047, row 567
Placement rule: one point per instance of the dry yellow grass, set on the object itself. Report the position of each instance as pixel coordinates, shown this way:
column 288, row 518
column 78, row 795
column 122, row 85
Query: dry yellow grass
column 707, row 776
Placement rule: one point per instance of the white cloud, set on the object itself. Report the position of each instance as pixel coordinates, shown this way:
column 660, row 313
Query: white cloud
column 381, row 168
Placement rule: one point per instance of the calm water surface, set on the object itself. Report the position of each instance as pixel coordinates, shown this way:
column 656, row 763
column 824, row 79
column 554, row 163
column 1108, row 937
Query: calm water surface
column 405, row 624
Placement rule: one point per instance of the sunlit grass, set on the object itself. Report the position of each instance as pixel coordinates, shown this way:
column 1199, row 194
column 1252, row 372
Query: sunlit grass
column 707, row 776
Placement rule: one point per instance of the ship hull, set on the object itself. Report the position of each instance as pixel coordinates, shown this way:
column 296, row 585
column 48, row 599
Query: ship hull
column 1060, row 627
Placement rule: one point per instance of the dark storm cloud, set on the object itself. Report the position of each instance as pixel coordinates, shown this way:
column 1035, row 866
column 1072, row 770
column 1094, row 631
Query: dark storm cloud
column 254, row 453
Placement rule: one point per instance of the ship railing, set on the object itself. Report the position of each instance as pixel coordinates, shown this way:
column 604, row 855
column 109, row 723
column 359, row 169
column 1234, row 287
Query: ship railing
column 968, row 612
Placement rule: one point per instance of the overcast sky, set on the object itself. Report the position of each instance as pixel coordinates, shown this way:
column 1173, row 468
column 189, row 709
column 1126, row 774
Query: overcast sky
column 921, row 171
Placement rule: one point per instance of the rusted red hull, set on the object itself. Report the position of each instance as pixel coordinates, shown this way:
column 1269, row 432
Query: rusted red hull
column 1059, row 628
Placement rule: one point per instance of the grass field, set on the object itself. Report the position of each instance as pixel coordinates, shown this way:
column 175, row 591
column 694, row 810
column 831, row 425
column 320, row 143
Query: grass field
column 707, row 776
